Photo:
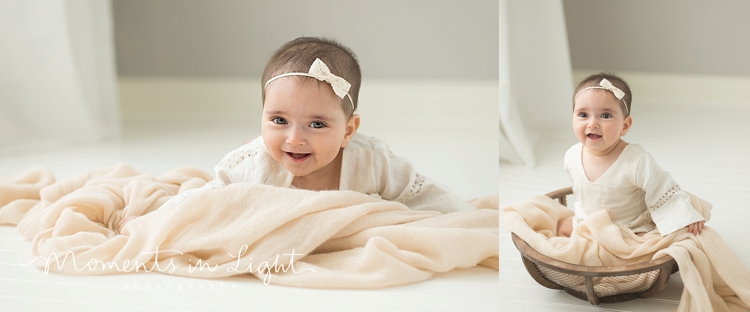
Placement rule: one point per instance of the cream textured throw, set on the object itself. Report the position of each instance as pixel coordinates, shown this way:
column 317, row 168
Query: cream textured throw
column 714, row 277
column 334, row 239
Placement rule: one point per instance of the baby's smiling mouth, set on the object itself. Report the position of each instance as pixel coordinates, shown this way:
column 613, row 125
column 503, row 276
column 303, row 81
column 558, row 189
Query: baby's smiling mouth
column 593, row 136
column 298, row 156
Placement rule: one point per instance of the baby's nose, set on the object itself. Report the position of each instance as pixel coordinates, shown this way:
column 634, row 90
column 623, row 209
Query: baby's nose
column 295, row 137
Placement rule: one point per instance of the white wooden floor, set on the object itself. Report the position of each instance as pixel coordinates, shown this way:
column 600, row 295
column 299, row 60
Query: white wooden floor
column 427, row 122
column 704, row 148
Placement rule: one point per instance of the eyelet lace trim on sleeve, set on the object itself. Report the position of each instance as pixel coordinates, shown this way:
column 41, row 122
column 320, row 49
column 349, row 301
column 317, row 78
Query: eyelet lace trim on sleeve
column 664, row 198
column 416, row 187
column 240, row 156
column 215, row 183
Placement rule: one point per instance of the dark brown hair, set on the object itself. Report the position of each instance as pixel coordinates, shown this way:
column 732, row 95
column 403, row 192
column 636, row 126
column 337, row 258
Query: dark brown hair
column 298, row 55
column 595, row 79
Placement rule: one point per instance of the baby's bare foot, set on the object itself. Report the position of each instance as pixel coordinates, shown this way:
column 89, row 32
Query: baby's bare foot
column 565, row 227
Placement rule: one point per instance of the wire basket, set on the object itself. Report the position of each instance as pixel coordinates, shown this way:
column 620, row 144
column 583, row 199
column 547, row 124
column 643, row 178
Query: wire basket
column 596, row 284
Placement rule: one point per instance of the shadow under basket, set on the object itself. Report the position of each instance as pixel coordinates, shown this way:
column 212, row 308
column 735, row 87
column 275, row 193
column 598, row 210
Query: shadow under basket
column 596, row 284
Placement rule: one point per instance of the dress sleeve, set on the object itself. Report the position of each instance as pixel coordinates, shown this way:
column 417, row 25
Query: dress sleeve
column 571, row 164
column 397, row 180
column 250, row 163
column 244, row 164
column 225, row 173
column 668, row 204
column 572, row 158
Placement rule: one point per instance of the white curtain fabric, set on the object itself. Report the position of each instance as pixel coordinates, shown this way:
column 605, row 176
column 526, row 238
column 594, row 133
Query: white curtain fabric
column 57, row 74
column 535, row 76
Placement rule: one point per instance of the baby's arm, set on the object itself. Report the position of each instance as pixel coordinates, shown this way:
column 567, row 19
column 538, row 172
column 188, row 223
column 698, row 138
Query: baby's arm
column 565, row 225
column 396, row 179
column 668, row 204
column 427, row 194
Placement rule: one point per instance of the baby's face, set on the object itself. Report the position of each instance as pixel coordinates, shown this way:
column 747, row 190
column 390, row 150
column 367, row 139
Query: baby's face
column 304, row 126
column 598, row 120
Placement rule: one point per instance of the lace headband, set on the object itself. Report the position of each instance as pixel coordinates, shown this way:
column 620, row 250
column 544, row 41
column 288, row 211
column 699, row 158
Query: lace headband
column 606, row 85
column 320, row 71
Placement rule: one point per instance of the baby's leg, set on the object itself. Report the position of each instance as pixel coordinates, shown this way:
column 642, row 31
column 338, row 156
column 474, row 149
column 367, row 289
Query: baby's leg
column 565, row 227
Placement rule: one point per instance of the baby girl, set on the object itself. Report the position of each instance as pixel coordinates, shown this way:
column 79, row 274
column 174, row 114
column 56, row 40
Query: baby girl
column 309, row 135
column 613, row 175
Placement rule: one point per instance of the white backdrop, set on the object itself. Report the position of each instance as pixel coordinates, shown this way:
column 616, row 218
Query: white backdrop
column 58, row 82
column 535, row 76
column 58, row 76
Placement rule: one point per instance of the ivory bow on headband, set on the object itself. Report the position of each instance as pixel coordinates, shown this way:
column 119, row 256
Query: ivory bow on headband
column 320, row 71
column 606, row 85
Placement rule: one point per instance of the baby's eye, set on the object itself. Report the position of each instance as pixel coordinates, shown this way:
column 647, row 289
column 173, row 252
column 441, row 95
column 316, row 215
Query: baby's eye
column 317, row 124
column 606, row 115
column 582, row 115
column 278, row 120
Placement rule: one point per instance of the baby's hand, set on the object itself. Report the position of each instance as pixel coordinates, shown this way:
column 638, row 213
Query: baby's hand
column 696, row 227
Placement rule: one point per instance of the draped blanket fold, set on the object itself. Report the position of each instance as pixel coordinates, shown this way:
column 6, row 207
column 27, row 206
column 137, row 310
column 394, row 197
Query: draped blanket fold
column 714, row 277
column 331, row 239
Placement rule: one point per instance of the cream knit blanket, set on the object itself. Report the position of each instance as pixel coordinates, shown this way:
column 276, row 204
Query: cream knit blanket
column 714, row 277
column 332, row 239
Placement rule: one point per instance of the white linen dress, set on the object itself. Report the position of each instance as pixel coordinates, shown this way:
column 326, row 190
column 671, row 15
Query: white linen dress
column 368, row 166
column 635, row 191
